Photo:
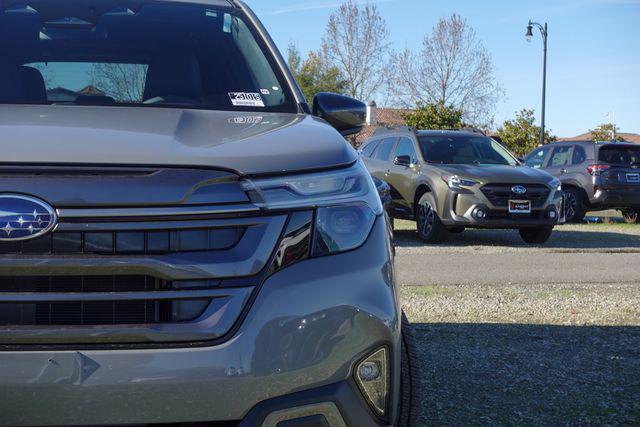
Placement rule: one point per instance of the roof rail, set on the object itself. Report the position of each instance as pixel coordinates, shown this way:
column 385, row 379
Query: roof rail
column 388, row 129
column 472, row 129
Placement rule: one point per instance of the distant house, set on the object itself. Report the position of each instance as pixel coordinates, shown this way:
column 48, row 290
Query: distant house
column 60, row 94
column 91, row 91
column 380, row 117
column 628, row 137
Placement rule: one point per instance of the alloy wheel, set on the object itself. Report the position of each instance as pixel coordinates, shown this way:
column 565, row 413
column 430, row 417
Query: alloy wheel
column 571, row 206
column 426, row 218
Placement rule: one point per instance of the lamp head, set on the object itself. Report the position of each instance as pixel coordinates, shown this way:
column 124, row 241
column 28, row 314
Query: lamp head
column 529, row 34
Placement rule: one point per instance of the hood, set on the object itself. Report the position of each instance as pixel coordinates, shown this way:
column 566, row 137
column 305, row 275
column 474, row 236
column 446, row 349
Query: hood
column 246, row 143
column 499, row 174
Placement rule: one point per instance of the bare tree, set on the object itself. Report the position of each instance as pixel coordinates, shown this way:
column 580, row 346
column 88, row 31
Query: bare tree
column 356, row 42
column 123, row 82
column 453, row 68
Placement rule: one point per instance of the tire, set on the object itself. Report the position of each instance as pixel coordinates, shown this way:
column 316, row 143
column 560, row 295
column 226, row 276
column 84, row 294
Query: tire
column 631, row 216
column 410, row 401
column 536, row 236
column 574, row 205
column 430, row 228
column 456, row 230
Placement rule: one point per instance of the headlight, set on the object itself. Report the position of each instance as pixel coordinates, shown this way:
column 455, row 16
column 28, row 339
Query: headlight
column 456, row 183
column 346, row 203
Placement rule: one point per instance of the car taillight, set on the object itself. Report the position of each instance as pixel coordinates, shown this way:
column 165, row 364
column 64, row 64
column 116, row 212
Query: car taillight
column 597, row 169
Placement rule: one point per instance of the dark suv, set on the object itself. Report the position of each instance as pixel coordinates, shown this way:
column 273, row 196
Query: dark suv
column 594, row 175
column 182, row 239
column 451, row 180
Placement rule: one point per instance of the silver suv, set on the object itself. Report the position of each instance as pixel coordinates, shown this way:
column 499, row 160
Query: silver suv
column 182, row 239
column 594, row 175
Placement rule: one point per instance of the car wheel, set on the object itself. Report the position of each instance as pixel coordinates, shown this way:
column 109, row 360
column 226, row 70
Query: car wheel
column 410, row 402
column 574, row 208
column 536, row 236
column 430, row 228
column 631, row 216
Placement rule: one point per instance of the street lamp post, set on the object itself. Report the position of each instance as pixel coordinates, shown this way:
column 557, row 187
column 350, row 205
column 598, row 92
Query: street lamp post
column 545, row 33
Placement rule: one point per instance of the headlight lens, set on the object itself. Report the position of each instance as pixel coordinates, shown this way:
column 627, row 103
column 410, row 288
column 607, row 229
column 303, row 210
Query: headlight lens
column 346, row 203
column 341, row 228
column 456, row 183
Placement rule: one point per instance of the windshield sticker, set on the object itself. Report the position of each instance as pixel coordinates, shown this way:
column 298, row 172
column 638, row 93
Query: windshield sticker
column 245, row 120
column 246, row 99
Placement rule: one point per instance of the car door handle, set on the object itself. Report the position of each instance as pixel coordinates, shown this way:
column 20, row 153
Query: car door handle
column 563, row 171
column 387, row 173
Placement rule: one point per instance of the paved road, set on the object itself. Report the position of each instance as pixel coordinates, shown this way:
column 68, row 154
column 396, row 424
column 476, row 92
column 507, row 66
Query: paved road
column 516, row 268
column 575, row 254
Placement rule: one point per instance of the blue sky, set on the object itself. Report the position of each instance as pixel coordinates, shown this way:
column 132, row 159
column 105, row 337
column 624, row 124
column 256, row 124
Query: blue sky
column 594, row 50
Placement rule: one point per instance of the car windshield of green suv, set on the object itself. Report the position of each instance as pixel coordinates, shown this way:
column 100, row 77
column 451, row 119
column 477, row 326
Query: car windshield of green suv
column 139, row 55
column 464, row 150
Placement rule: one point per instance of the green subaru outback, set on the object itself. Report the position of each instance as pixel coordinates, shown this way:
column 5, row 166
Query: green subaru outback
column 448, row 181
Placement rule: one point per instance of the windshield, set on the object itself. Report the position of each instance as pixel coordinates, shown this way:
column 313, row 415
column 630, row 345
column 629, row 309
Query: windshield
column 142, row 54
column 625, row 155
column 464, row 150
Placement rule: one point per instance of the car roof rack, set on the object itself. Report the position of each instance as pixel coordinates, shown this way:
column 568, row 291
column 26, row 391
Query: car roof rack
column 464, row 129
column 410, row 129
column 394, row 129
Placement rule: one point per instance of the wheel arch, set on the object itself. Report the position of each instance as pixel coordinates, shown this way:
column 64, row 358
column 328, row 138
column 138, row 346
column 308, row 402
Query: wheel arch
column 422, row 189
column 574, row 185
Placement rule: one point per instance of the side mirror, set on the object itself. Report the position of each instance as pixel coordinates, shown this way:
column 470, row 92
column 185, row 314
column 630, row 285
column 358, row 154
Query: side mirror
column 403, row 161
column 345, row 114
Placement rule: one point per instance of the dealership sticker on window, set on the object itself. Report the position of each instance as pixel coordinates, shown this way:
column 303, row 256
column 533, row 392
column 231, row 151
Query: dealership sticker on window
column 246, row 99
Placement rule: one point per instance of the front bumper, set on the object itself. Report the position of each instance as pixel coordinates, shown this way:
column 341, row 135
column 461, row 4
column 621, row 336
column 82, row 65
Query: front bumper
column 308, row 326
column 459, row 210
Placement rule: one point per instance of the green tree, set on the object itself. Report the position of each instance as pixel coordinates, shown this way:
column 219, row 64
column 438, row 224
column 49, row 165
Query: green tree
column 606, row 132
column 434, row 117
column 313, row 75
column 521, row 135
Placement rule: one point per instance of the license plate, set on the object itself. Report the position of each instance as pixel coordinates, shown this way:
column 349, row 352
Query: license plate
column 520, row 206
column 633, row 178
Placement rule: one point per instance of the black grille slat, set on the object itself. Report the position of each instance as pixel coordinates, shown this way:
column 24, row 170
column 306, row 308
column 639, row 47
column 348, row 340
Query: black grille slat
column 127, row 243
column 79, row 313
column 500, row 194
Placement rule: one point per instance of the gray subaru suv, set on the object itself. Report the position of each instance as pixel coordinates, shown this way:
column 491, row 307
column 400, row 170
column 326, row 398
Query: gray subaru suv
column 594, row 175
column 182, row 239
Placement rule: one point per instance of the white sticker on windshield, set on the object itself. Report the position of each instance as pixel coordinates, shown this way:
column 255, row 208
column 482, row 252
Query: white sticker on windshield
column 246, row 99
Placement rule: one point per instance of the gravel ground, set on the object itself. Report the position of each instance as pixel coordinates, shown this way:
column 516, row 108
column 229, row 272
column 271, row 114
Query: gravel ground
column 526, row 351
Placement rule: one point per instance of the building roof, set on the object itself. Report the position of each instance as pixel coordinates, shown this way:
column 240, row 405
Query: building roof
column 385, row 117
column 628, row 137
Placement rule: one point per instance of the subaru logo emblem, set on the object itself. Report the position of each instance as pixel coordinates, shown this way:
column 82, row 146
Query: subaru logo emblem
column 518, row 189
column 24, row 218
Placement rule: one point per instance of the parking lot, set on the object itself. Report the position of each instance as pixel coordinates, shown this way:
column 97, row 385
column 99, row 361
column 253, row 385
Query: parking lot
column 518, row 334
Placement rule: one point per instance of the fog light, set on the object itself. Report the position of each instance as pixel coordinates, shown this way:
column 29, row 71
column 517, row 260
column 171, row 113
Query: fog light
column 480, row 213
column 552, row 214
column 372, row 376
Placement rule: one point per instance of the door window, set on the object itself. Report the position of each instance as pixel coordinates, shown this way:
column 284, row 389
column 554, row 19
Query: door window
column 383, row 152
column 579, row 155
column 561, row 156
column 368, row 149
column 406, row 148
column 536, row 159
